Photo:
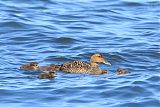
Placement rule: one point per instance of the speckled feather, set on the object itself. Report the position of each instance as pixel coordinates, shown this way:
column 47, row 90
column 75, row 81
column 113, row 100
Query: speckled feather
column 79, row 67
column 75, row 67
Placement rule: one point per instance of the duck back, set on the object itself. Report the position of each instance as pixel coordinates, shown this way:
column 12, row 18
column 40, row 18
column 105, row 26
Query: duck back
column 75, row 67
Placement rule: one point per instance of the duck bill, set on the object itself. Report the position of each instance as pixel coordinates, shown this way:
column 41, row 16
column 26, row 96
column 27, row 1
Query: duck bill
column 107, row 63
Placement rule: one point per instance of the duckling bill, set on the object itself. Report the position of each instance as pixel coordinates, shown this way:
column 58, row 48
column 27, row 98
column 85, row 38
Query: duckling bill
column 84, row 67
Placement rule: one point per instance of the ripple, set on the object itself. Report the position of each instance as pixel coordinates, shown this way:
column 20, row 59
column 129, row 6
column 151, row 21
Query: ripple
column 78, row 28
column 64, row 40
column 150, row 103
column 12, row 24
column 154, row 79
column 132, row 3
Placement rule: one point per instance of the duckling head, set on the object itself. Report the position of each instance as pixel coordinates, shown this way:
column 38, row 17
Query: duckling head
column 105, row 72
column 99, row 58
column 56, row 67
column 122, row 71
column 52, row 72
column 35, row 64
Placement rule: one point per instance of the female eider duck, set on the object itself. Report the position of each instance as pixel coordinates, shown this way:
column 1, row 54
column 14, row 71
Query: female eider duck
column 83, row 67
column 30, row 66
column 120, row 71
column 49, row 75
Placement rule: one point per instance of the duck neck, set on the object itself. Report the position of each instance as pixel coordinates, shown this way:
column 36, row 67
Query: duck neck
column 93, row 63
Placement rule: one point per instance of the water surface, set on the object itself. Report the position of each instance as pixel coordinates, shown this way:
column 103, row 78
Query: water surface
column 56, row 31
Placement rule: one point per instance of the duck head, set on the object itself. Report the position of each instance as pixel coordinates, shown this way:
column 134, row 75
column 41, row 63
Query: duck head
column 99, row 58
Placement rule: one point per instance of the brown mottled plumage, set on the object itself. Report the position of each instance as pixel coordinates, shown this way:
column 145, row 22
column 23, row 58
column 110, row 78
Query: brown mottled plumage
column 120, row 71
column 83, row 67
column 30, row 66
column 48, row 75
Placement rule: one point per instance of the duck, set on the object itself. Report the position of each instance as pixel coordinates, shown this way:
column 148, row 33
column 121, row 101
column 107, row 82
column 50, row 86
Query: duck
column 84, row 67
column 51, row 67
column 49, row 75
column 121, row 71
column 30, row 66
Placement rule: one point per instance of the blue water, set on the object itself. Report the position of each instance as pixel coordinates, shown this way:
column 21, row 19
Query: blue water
column 127, row 32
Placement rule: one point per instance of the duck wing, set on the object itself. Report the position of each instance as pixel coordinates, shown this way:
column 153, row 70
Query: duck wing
column 75, row 67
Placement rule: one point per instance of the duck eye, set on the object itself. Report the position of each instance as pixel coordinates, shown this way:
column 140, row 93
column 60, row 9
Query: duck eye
column 100, row 56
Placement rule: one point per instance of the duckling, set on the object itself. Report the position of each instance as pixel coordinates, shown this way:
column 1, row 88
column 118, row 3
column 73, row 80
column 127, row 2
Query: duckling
column 105, row 72
column 120, row 71
column 56, row 67
column 49, row 75
column 30, row 66
column 83, row 67
column 51, row 67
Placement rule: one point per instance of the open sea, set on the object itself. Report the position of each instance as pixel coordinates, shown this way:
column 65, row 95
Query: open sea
column 126, row 32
